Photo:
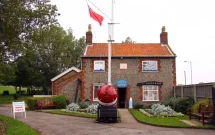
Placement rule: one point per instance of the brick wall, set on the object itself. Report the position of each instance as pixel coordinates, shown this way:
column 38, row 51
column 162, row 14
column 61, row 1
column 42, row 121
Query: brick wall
column 66, row 85
column 133, row 74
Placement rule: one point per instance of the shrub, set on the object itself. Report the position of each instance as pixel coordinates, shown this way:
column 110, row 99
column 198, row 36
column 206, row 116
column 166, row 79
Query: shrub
column 32, row 103
column 60, row 101
column 171, row 102
column 73, row 107
column 145, row 113
column 92, row 108
column 162, row 110
column 138, row 106
column 204, row 101
column 83, row 105
column 15, row 96
column 157, row 109
column 183, row 104
column 6, row 92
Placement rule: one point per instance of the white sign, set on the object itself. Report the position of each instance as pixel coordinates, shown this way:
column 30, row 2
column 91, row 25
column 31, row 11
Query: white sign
column 18, row 107
column 123, row 66
column 99, row 66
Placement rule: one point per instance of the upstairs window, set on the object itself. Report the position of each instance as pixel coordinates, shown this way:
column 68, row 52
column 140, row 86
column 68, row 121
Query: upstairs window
column 99, row 66
column 149, row 66
column 96, row 87
column 150, row 93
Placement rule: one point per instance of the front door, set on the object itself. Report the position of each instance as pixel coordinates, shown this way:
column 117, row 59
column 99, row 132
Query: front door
column 122, row 97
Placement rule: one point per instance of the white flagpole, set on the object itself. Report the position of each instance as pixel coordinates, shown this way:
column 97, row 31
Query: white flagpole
column 110, row 40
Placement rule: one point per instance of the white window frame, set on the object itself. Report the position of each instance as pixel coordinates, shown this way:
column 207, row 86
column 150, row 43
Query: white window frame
column 96, row 84
column 102, row 67
column 149, row 88
column 146, row 62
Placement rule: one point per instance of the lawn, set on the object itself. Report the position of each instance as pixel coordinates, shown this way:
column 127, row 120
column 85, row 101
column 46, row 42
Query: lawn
column 11, row 89
column 77, row 114
column 15, row 127
column 8, row 99
column 164, row 121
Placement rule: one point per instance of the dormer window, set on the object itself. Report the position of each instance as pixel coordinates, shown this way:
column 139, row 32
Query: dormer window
column 149, row 66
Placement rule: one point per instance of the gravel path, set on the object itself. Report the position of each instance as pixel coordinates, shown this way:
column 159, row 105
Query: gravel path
column 52, row 124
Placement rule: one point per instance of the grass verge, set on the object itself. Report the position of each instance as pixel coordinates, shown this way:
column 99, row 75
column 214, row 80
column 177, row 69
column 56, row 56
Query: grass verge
column 77, row 114
column 9, row 99
column 164, row 121
column 15, row 127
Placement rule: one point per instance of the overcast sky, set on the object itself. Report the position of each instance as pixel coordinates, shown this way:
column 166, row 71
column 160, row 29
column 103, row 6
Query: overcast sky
column 190, row 25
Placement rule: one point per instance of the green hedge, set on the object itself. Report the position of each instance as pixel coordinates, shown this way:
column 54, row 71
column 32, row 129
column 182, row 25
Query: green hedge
column 60, row 101
column 183, row 104
column 32, row 102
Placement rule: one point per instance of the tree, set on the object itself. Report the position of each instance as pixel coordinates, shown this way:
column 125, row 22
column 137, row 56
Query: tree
column 128, row 40
column 55, row 50
column 18, row 20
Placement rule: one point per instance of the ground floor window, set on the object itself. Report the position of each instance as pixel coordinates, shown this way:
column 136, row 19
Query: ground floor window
column 96, row 87
column 150, row 93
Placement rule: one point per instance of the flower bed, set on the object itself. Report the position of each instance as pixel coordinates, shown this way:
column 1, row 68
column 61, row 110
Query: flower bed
column 159, row 110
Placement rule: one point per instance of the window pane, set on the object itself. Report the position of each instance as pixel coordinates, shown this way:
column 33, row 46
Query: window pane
column 97, row 86
column 149, row 65
column 145, row 95
column 151, row 93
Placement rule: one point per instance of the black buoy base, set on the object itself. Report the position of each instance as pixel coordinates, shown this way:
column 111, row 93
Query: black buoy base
column 107, row 114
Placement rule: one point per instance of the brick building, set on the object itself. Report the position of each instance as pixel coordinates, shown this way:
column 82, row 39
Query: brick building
column 144, row 71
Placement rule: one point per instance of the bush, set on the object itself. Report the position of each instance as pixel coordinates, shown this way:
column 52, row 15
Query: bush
column 145, row 113
column 6, row 92
column 60, row 101
column 73, row 107
column 83, row 105
column 171, row 102
column 205, row 101
column 15, row 96
column 183, row 104
column 138, row 106
column 32, row 103
column 162, row 110
column 157, row 109
column 92, row 108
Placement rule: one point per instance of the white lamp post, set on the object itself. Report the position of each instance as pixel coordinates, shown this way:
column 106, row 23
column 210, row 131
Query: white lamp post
column 190, row 70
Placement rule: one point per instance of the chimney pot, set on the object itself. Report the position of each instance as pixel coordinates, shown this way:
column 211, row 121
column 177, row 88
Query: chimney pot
column 89, row 35
column 164, row 36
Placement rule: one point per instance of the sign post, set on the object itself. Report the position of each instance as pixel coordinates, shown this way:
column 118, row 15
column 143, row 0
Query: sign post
column 18, row 107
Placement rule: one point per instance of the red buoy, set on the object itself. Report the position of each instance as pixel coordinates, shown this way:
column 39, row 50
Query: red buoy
column 107, row 95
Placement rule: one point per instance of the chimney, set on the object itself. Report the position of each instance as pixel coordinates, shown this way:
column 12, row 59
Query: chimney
column 164, row 36
column 89, row 35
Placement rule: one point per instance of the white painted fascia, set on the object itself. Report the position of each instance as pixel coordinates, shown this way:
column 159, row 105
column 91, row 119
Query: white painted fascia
column 65, row 72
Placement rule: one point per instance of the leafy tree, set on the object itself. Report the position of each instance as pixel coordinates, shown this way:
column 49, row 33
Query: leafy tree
column 18, row 20
column 128, row 40
column 55, row 50
column 7, row 73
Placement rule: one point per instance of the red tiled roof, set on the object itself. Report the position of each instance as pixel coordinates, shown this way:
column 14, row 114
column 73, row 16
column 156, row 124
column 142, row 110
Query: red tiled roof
column 128, row 49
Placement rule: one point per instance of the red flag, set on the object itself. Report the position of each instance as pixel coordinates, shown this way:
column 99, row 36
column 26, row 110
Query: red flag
column 96, row 16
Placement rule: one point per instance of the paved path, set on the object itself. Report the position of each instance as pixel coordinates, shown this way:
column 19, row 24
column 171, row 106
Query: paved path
column 51, row 124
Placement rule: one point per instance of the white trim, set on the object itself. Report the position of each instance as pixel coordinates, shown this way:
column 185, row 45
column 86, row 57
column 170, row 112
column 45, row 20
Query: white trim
column 169, row 50
column 96, row 84
column 65, row 72
column 107, row 104
column 85, row 52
